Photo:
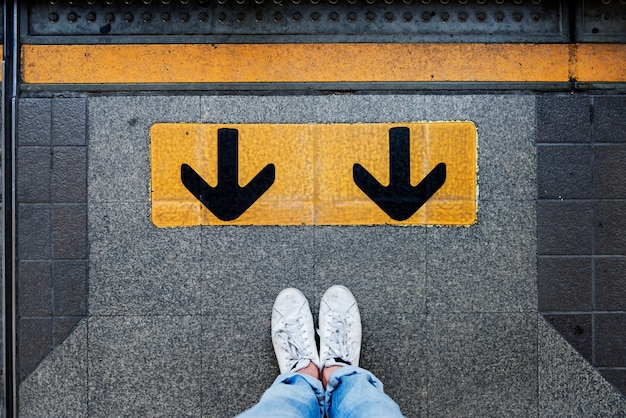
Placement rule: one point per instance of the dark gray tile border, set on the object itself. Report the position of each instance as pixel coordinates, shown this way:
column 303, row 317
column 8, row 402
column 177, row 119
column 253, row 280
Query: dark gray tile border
column 34, row 288
column 577, row 329
column 33, row 174
column 33, row 122
column 610, row 166
column 563, row 118
column 34, row 342
column 69, row 121
column 610, row 228
column 34, row 230
column 564, row 228
column 609, row 123
column 564, row 172
column 610, row 284
column 610, row 339
column 69, row 231
column 564, row 283
column 69, row 180
column 70, row 287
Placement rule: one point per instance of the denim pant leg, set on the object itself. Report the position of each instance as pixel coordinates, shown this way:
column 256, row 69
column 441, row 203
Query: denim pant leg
column 292, row 395
column 353, row 392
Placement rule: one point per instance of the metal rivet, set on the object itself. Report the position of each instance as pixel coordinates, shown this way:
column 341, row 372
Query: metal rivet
column 351, row 1
column 517, row 1
column 53, row 17
column 128, row 17
column 536, row 2
column 259, row 17
column 536, row 17
column 91, row 17
column 165, row 17
column 240, row 17
column 296, row 17
column 295, row 1
column 221, row 17
column 240, row 1
column 518, row 17
column 184, row 17
column 128, row 2
column 407, row 16
column 184, row 1
column 606, row 17
column 54, row 2
column 425, row 1
column 146, row 17
column 499, row 17
column 606, row 1
column 463, row 17
column 91, row 2
column 594, row 30
column 278, row 17
column 315, row 1
column 147, row 1
column 109, row 2
column 258, row 1
column 370, row 1
column 203, row 17
column 72, row 17
column 352, row 17
column 481, row 1
column 499, row 1
column 389, row 1
column 462, row 1
column 370, row 16
column 333, row 17
column 109, row 18
column 333, row 1
column 165, row 1
column 315, row 17
column 445, row 16
column 444, row 1
column 407, row 1
column 389, row 17
column 426, row 16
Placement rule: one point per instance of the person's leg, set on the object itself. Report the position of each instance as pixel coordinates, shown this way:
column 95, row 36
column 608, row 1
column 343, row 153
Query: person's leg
column 350, row 390
column 297, row 392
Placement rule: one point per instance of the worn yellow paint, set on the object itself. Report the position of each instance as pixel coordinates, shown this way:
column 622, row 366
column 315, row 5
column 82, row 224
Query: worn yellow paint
column 314, row 162
column 287, row 63
column 600, row 62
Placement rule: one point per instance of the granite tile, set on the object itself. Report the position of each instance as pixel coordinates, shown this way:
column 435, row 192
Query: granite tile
column 62, row 327
column 33, row 174
column 69, row 231
column 608, row 114
column 394, row 348
column 564, row 283
column 136, row 268
column 385, row 266
column 34, row 288
column 58, row 387
column 33, row 121
column 70, row 287
column 564, row 228
column 563, row 118
column 564, row 172
column 610, row 284
column 69, row 179
column 610, row 166
column 610, row 227
column 33, row 232
column 570, row 386
column 145, row 366
column 249, row 266
column 482, row 365
column 489, row 267
column 119, row 142
column 34, row 342
column 610, row 339
column 68, row 121
column 577, row 330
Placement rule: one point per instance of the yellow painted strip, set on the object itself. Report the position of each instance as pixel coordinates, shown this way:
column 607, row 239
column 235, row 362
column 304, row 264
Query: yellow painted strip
column 314, row 183
column 253, row 63
column 601, row 62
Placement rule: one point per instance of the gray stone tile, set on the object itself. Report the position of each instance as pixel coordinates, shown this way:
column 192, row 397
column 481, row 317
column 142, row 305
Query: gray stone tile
column 33, row 232
column 58, row 387
column 246, row 267
column 577, row 329
column 563, row 118
column 568, row 385
column 564, row 283
column 233, row 379
column 617, row 377
column 34, row 342
column 609, row 124
column 505, row 124
column 394, row 348
column 488, row 267
column 564, row 172
column 69, row 231
column 33, row 288
column 68, row 121
column 62, row 327
column 136, row 268
column 610, row 284
column 33, row 121
column 33, row 174
column 482, row 365
column 69, row 179
column 610, row 340
column 119, row 142
column 144, row 366
column 610, row 164
column 384, row 266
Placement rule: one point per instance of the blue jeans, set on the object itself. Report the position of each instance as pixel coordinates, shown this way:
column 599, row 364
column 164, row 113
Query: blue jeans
column 351, row 392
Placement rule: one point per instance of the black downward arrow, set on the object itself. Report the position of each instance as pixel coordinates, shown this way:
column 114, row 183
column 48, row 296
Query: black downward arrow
column 227, row 200
column 399, row 200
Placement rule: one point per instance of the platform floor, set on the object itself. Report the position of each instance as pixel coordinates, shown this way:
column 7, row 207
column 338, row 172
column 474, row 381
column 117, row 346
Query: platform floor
column 175, row 322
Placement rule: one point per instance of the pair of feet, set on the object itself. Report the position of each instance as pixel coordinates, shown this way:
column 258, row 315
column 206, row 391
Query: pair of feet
column 293, row 332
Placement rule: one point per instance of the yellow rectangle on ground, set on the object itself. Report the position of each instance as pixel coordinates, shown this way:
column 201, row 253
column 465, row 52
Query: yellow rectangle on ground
column 416, row 173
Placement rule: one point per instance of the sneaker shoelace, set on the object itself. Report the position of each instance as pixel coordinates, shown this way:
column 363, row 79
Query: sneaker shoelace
column 292, row 338
column 337, row 341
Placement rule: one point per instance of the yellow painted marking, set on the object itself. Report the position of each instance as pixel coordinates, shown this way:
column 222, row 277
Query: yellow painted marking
column 601, row 62
column 287, row 63
column 314, row 172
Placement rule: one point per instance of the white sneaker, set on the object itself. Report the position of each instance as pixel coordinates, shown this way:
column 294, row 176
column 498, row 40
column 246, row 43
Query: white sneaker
column 339, row 328
column 293, row 333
